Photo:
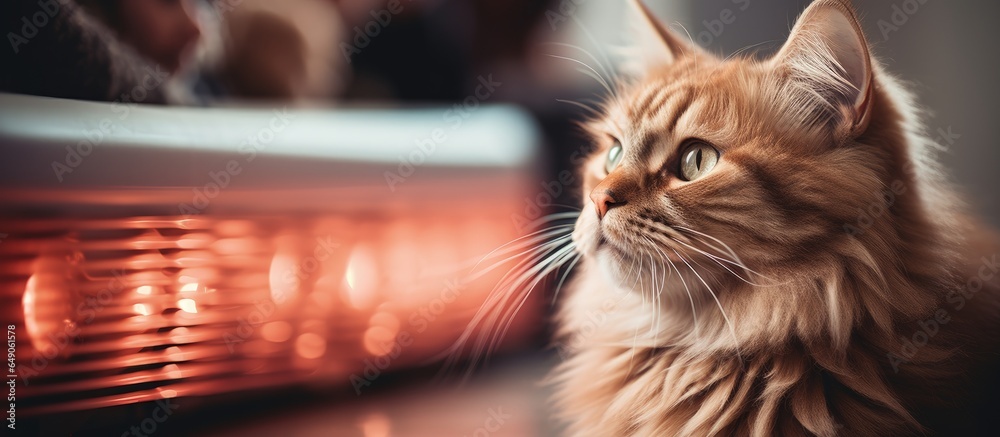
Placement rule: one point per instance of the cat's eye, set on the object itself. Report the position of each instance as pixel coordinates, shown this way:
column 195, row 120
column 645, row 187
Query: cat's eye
column 697, row 160
column 614, row 157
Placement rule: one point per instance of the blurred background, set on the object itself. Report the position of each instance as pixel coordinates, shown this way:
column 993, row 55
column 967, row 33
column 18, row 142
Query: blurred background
column 424, row 135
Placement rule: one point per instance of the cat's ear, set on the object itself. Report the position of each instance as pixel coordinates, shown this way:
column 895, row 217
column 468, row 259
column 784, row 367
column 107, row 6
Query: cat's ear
column 827, row 55
column 658, row 45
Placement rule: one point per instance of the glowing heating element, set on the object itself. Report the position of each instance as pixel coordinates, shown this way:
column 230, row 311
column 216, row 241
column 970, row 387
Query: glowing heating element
column 305, row 268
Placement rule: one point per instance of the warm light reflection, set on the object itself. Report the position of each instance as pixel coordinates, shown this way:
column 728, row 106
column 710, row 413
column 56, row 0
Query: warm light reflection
column 188, row 305
column 141, row 309
column 376, row 425
column 179, row 335
column 167, row 393
column 235, row 228
column 30, row 309
column 380, row 340
column 401, row 253
column 277, row 332
column 283, row 280
column 385, row 320
column 361, row 278
column 357, row 303
column 310, row 346
column 321, row 301
column 173, row 371
column 174, row 353
column 47, row 312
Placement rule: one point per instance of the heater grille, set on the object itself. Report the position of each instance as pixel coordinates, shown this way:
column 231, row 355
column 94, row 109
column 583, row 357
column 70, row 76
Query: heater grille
column 161, row 254
column 124, row 310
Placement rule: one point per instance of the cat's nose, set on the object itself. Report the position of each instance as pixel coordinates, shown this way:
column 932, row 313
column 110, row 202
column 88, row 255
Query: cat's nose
column 604, row 200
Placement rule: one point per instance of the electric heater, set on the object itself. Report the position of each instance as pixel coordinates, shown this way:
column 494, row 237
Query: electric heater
column 155, row 252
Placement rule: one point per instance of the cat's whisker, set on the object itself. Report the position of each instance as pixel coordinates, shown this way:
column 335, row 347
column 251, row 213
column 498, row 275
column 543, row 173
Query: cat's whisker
column 552, row 260
column 604, row 68
column 537, row 255
column 562, row 238
column 542, row 261
column 555, row 262
column 694, row 311
column 655, row 298
column 718, row 259
column 575, row 209
column 735, row 261
column 728, row 249
column 503, row 315
column 538, row 225
column 590, row 37
column 729, row 323
column 722, row 262
column 641, row 284
column 642, row 295
column 773, row 282
column 530, row 239
column 589, row 71
column 565, row 275
column 497, row 298
column 468, row 267
column 659, row 294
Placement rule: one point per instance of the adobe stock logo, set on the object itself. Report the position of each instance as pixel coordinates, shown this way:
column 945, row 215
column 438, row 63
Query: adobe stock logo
column 900, row 16
column 428, row 146
column 565, row 10
column 715, row 28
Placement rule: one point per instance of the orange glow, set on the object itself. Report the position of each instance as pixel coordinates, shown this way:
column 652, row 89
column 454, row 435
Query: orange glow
column 167, row 393
column 385, row 320
column 376, row 425
column 284, row 283
column 30, row 311
column 173, row 371
column 174, row 353
column 252, row 311
column 188, row 305
column 178, row 335
column 277, row 332
column 361, row 278
column 379, row 340
column 45, row 305
column 142, row 309
column 322, row 301
column 234, row 246
column 235, row 228
column 310, row 346
column 401, row 253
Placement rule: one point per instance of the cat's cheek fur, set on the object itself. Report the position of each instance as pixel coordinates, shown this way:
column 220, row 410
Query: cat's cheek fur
column 586, row 233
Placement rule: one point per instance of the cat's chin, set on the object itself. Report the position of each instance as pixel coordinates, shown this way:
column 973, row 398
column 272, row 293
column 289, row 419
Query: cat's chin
column 639, row 271
column 624, row 270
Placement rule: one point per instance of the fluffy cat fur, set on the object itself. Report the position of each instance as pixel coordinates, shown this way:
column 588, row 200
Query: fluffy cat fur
column 764, row 298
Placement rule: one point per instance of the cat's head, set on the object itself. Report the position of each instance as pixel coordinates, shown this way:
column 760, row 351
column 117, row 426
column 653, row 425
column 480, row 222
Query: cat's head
column 709, row 168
